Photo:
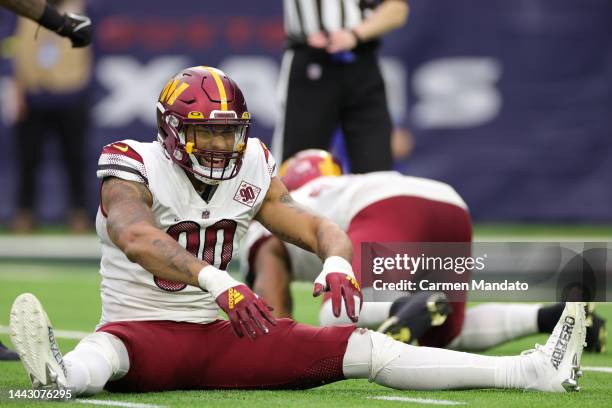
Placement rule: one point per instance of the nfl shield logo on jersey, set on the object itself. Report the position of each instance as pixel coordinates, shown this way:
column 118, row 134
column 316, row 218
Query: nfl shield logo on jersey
column 247, row 194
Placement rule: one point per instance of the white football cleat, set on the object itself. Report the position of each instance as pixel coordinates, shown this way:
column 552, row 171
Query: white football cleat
column 556, row 365
column 33, row 338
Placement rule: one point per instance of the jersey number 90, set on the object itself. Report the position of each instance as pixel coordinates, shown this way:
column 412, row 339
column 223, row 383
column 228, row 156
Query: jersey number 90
column 193, row 240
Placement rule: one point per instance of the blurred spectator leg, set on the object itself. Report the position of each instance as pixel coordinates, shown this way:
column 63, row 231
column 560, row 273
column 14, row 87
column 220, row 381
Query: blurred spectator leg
column 30, row 142
column 72, row 127
column 366, row 122
column 311, row 104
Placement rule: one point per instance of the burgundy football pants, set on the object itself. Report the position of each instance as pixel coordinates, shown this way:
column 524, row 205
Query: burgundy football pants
column 168, row 355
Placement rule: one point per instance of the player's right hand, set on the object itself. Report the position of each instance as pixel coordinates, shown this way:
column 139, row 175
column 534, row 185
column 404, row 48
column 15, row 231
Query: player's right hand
column 246, row 311
column 77, row 28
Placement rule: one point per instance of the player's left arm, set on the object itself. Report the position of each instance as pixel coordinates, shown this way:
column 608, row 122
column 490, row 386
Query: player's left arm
column 293, row 223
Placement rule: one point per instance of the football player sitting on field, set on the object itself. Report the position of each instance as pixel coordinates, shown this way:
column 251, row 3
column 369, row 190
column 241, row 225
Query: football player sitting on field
column 389, row 207
column 171, row 215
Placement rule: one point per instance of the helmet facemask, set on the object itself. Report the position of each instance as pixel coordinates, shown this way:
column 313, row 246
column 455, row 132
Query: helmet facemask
column 210, row 149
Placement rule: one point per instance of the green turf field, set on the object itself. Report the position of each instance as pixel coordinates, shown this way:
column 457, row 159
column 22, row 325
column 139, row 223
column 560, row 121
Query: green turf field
column 480, row 229
column 70, row 296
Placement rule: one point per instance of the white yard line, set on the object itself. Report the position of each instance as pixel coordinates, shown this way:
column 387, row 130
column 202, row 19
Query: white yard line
column 62, row 334
column 49, row 246
column 117, row 403
column 536, row 238
column 88, row 246
column 598, row 369
column 417, row 400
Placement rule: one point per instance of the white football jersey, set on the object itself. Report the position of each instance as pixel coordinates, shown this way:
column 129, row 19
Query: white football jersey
column 340, row 199
column 211, row 231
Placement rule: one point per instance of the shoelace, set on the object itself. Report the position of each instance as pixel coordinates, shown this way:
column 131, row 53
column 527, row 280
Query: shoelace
column 537, row 347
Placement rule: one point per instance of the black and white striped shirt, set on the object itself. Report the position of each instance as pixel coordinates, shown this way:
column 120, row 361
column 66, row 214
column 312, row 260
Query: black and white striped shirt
column 304, row 17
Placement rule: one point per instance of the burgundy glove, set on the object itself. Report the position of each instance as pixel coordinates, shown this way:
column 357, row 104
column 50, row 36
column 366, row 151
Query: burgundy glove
column 337, row 276
column 246, row 311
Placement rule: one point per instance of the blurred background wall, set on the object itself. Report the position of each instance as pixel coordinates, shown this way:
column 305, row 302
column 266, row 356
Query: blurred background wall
column 508, row 101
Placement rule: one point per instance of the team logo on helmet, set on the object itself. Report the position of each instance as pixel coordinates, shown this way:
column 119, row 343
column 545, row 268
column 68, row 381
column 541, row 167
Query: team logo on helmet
column 171, row 92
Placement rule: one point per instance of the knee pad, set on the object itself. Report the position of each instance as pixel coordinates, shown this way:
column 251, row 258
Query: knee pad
column 369, row 352
column 384, row 351
column 97, row 359
column 111, row 348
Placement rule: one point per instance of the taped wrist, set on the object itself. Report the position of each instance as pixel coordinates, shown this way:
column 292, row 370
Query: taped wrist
column 52, row 19
column 215, row 281
column 337, row 264
column 334, row 264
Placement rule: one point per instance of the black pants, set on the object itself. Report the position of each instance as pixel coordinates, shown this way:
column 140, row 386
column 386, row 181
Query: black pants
column 69, row 125
column 321, row 94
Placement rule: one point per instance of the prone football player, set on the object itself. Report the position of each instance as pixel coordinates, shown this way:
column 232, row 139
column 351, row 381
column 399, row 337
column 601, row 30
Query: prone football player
column 389, row 207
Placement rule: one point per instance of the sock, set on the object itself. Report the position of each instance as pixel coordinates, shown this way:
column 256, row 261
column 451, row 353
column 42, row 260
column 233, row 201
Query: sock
column 548, row 316
column 88, row 370
column 490, row 324
column 402, row 366
column 98, row 358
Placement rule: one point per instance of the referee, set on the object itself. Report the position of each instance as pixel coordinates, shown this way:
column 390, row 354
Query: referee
column 330, row 76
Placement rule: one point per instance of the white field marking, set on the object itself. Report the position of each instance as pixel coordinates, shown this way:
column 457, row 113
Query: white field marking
column 547, row 238
column 117, row 403
column 598, row 369
column 50, row 246
column 62, row 334
column 417, row 400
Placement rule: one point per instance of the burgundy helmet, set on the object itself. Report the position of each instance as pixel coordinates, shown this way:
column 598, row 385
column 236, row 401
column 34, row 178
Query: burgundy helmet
column 203, row 96
column 308, row 165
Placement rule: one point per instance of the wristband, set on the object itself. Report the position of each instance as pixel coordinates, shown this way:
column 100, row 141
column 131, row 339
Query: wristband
column 215, row 281
column 51, row 19
column 337, row 264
